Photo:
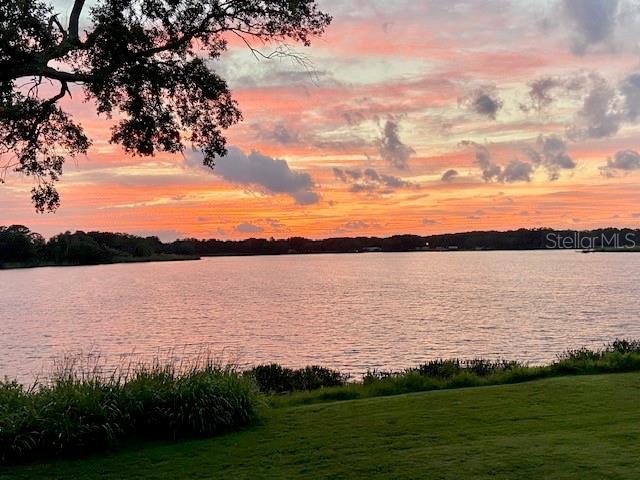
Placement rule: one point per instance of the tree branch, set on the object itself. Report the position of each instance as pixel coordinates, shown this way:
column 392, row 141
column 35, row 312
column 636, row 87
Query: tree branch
column 74, row 20
column 35, row 70
column 54, row 21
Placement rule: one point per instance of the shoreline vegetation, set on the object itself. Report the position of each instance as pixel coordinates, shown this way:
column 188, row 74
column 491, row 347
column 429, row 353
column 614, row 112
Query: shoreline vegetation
column 83, row 410
column 21, row 248
column 578, row 427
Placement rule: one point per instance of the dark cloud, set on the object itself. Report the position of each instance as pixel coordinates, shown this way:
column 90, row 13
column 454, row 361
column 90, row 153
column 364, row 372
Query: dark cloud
column 543, row 90
column 391, row 148
column 370, row 181
column 483, row 101
column 592, row 23
column 429, row 221
column 623, row 161
column 270, row 175
column 347, row 174
column 630, row 92
column 248, row 228
column 277, row 133
column 450, row 175
column 516, row 171
column 551, row 153
column 605, row 107
column 490, row 171
column 540, row 92
column 599, row 116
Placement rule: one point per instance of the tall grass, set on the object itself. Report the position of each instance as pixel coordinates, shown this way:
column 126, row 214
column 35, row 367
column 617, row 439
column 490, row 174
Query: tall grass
column 81, row 410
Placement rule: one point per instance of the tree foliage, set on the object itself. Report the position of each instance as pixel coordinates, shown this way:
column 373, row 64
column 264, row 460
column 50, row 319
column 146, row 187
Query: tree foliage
column 145, row 62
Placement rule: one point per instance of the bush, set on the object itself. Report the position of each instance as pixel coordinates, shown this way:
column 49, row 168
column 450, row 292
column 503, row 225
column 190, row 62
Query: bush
column 480, row 367
column 274, row 378
column 77, row 413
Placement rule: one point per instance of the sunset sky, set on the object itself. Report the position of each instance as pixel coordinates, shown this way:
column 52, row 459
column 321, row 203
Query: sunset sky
column 408, row 117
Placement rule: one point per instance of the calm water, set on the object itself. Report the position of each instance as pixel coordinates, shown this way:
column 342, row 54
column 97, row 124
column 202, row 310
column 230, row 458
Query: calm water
column 352, row 312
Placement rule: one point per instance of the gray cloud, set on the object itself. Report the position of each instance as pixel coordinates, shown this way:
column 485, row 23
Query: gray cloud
column 277, row 133
column 623, row 161
column 391, row 148
column 449, row 176
column 483, row 101
column 592, row 22
column 543, row 89
column 516, row 171
column 271, row 175
column 599, row 116
column 248, row 228
column 429, row 221
column 540, row 92
column 370, row 181
column 490, row 171
column 551, row 153
column 605, row 107
column 630, row 91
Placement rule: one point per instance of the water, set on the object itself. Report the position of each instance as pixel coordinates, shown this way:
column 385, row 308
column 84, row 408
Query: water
column 352, row 312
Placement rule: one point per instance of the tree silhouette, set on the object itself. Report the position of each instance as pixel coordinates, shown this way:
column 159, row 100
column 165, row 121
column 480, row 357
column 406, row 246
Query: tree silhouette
column 145, row 61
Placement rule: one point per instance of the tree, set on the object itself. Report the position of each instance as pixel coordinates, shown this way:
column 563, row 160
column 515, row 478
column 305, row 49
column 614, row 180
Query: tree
column 148, row 61
column 19, row 244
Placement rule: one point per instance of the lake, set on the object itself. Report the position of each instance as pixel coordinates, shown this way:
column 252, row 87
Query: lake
column 351, row 311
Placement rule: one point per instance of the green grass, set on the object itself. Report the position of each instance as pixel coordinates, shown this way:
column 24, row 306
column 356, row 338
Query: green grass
column 566, row 427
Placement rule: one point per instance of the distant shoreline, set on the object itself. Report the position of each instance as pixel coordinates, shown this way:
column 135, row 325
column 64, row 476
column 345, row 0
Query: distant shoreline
column 150, row 259
column 186, row 258
column 22, row 248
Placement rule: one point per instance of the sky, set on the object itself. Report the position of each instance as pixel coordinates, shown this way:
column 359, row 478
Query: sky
column 421, row 116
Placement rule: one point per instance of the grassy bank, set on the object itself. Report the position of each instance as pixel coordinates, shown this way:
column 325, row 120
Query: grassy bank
column 583, row 427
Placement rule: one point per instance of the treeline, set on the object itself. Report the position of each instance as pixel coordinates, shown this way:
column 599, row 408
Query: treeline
column 19, row 245
column 522, row 239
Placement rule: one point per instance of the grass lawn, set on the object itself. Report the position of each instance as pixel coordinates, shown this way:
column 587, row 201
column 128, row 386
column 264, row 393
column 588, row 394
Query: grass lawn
column 568, row 427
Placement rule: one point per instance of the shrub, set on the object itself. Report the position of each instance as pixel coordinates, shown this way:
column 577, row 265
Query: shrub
column 274, row 378
column 313, row 377
column 440, row 368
